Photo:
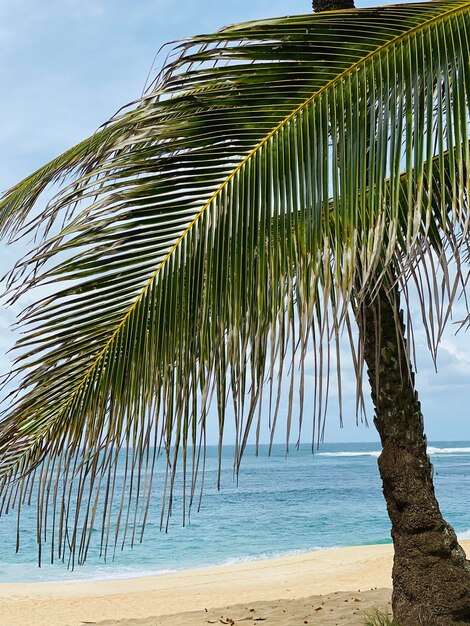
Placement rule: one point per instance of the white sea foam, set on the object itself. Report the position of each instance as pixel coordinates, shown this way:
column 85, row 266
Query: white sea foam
column 465, row 534
column 121, row 574
column 374, row 453
column 433, row 450
column 270, row 555
column 20, row 573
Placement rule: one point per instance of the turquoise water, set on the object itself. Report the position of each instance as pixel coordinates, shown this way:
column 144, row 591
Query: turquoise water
column 280, row 506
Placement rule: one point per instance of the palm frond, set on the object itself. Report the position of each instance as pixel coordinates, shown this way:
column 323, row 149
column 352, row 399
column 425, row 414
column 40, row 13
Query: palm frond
column 214, row 230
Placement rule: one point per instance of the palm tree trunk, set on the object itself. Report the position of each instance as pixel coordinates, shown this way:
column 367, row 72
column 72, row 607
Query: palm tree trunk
column 431, row 576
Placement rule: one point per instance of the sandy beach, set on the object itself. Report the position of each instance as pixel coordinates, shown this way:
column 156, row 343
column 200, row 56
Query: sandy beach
column 326, row 587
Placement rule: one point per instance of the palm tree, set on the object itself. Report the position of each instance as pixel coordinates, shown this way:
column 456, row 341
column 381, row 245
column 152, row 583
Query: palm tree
column 419, row 531
column 280, row 181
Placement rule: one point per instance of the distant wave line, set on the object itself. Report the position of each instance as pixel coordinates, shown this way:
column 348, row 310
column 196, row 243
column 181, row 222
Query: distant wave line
column 375, row 453
column 432, row 450
column 345, row 454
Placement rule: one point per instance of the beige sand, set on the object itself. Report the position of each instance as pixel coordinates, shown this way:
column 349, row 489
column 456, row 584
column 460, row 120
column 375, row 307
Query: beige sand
column 339, row 608
column 247, row 592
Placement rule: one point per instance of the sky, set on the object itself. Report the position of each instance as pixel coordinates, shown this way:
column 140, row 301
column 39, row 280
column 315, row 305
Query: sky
column 66, row 66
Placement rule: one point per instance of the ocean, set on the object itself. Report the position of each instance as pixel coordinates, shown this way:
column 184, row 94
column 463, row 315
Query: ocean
column 280, row 506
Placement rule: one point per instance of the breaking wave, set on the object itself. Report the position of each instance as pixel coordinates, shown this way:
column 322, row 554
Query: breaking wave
column 432, row 450
column 374, row 453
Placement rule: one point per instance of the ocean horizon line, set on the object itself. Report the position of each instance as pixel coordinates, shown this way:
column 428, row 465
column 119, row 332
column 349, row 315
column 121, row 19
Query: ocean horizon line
column 304, row 445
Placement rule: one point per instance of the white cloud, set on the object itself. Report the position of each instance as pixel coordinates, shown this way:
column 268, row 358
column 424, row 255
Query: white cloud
column 455, row 351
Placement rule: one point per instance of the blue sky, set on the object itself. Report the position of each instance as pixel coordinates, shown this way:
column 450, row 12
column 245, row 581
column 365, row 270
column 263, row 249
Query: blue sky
column 66, row 66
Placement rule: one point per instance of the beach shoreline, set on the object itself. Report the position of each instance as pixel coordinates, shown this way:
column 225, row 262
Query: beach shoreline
column 188, row 597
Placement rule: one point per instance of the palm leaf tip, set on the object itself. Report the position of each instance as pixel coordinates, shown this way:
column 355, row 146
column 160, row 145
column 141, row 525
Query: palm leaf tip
column 216, row 232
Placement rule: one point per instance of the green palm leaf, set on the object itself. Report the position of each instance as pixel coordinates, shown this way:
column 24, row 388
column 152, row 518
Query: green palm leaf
column 214, row 228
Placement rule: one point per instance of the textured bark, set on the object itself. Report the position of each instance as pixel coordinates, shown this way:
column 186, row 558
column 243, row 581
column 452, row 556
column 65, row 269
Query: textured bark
column 431, row 576
column 331, row 5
